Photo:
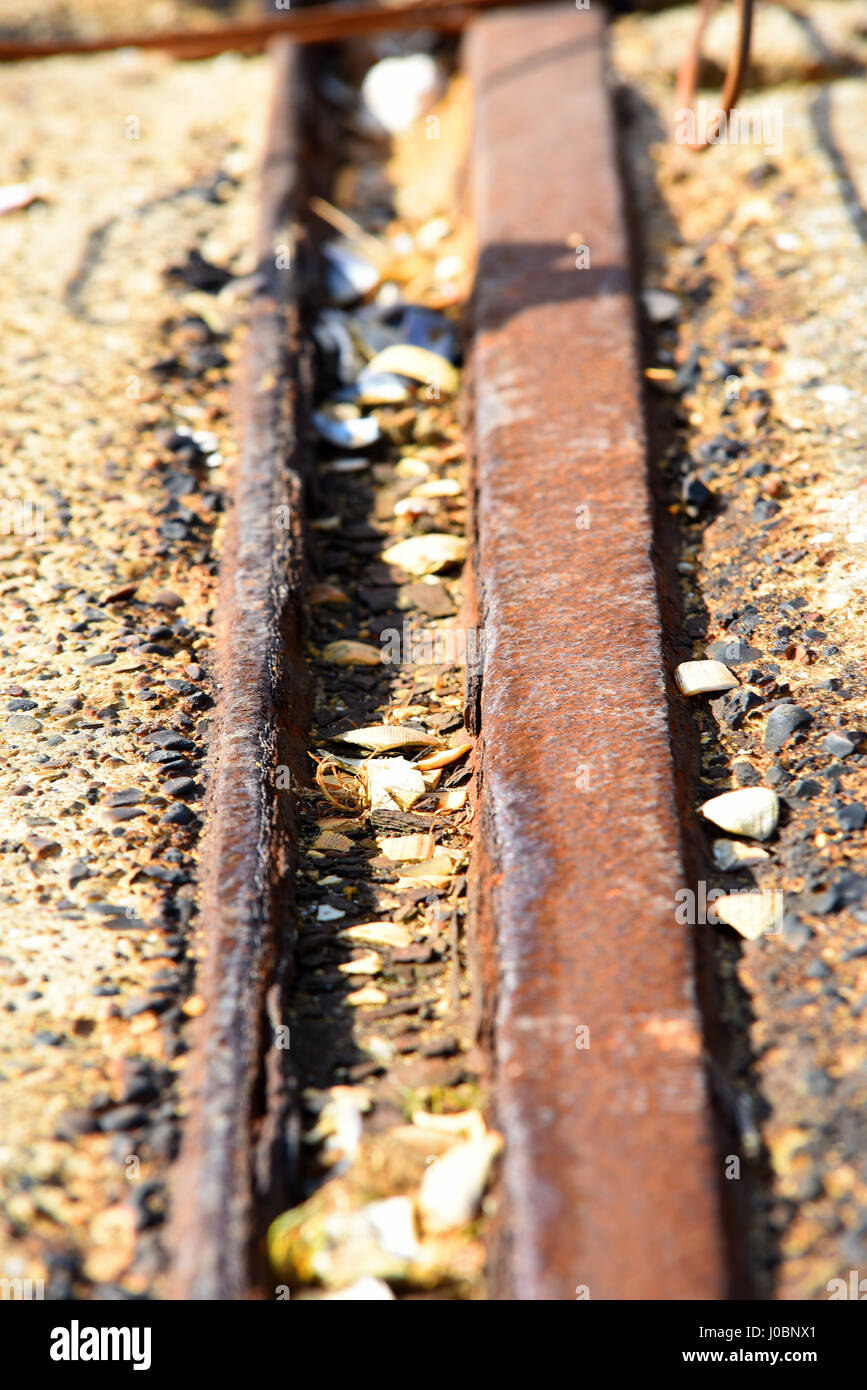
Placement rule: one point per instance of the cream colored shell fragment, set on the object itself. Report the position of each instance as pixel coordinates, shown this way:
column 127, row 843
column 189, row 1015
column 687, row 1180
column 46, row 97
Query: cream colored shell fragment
column 701, row 677
column 426, row 554
column 751, row 811
column 345, row 652
column 419, row 364
column 453, row 1186
column 734, row 854
column 382, row 737
column 753, row 912
column 393, row 784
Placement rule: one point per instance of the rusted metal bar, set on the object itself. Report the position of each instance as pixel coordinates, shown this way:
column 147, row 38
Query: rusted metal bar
column 326, row 23
column 236, row 1126
column 687, row 77
column 610, row 1180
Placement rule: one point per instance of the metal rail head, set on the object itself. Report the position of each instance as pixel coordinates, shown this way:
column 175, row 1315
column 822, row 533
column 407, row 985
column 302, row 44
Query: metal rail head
column 687, row 77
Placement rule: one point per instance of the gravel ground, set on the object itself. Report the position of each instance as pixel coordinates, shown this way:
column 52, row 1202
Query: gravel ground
column 115, row 446
column 757, row 385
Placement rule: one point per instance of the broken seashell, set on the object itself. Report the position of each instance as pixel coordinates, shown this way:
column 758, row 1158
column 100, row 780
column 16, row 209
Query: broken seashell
column 410, row 467
column 326, row 913
column 733, row 854
column 393, row 784
column 443, row 758
column 752, row 811
column 752, row 912
column 661, row 305
column 453, row 1186
column 415, row 506
column 467, row 1124
column 407, row 847
column 381, row 737
column 326, row 593
column 367, row 997
column 349, row 465
column 347, row 653
column 419, row 364
column 397, row 90
column 358, row 433
column 348, row 276
column 438, row 487
column 379, row 934
column 382, row 388
column 700, row 677
column 328, row 839
column 20, row 195
column 367, row 1289
column 436, row 872
column 426, row 554
column 371, row 964
column 453, row 799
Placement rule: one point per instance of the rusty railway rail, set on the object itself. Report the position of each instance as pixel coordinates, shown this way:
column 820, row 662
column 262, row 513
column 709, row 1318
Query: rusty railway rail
column 236, row 1150
column 610, row 1180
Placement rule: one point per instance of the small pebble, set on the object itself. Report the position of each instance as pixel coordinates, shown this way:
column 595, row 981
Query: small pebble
column 852, row 816
column 23, row 724
column 838, row 745
column 782, row 722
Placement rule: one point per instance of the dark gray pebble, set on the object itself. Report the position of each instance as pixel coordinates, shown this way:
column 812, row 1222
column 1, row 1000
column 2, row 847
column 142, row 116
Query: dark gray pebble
column 852, row 816
column 783, row 721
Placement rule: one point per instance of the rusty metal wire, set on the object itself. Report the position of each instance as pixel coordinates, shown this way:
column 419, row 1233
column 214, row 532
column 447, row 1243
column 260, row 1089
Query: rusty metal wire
column 687, row 77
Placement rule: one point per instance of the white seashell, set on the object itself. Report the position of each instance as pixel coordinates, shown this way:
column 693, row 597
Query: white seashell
column 660, row 305
column 382, row 737
column 453, row 1186
column 426, row 554
column 432, row 875
column 393, row 1221
column 369, row 996
column 752, row 912
column 371, row 964
column 751, row 811
column 412, row 468
column 438, row 487
column 393, row 784
column 379, row 934
column 348, row 276
column 699, row 677
column 382, row 388
column 733, row 854
column 396, row 91
column 326, row 913
column 417, row 363
column 350, row 465
column 20, row 195
column 364, row 1290
column 347, row 434
column 415, row 506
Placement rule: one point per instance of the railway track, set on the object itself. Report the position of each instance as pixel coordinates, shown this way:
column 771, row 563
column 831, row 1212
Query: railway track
column 451, row 1039
column 586, row 1007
